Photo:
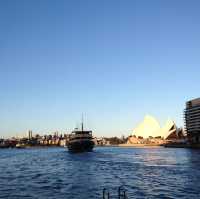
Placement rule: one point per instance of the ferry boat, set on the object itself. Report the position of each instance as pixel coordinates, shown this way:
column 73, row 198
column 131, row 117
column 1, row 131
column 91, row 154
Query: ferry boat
column 80, row 141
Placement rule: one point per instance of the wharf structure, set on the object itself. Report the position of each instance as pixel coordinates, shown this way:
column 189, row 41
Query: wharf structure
column 192, row 121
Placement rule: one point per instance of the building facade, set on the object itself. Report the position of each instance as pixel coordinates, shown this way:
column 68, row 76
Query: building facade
column 192, row 120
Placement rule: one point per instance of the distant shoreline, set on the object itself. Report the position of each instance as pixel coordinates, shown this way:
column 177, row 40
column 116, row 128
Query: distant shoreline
column 140, row 145
column 118, row 146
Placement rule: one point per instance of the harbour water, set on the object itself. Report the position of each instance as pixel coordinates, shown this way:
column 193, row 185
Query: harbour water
column 55, row 173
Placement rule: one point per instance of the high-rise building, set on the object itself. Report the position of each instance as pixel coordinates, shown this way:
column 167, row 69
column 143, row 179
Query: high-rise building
column 30, row 134
column 192, row 120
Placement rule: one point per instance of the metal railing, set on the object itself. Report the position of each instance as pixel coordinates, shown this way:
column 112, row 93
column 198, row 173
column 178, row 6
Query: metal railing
column 106, row 194
column 121, row 193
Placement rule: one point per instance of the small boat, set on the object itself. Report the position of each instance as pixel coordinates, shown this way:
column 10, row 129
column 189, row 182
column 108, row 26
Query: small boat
column 80, row 141
column 20, row 146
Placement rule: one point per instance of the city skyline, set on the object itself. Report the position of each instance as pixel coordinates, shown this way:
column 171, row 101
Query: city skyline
column 113, row 61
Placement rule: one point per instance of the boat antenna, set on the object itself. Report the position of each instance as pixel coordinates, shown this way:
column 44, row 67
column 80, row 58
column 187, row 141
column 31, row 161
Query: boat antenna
column 82, row 123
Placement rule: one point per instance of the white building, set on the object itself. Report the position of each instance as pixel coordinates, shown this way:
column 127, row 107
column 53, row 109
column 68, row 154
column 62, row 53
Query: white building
column 150, row 127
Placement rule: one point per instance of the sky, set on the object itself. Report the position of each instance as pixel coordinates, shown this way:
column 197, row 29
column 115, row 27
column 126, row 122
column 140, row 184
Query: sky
column 114, row 61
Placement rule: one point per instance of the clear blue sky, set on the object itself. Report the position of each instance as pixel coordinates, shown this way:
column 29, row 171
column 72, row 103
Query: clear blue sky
column 112, row 60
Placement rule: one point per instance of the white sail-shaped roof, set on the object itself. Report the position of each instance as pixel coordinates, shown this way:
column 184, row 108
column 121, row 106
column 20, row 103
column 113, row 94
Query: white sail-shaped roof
column 147, row 127
column 168, row 128
column 150, row 127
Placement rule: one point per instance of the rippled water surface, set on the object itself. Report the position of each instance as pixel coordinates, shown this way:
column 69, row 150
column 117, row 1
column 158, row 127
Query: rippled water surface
column 55, row 173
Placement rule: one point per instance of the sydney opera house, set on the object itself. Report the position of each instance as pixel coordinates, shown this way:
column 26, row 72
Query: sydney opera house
column 149, row 130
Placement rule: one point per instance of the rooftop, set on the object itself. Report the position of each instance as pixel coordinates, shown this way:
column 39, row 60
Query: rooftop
column 193, row 103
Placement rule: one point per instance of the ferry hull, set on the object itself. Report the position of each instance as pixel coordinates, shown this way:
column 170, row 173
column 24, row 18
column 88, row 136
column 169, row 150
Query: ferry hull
column 81, row 146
